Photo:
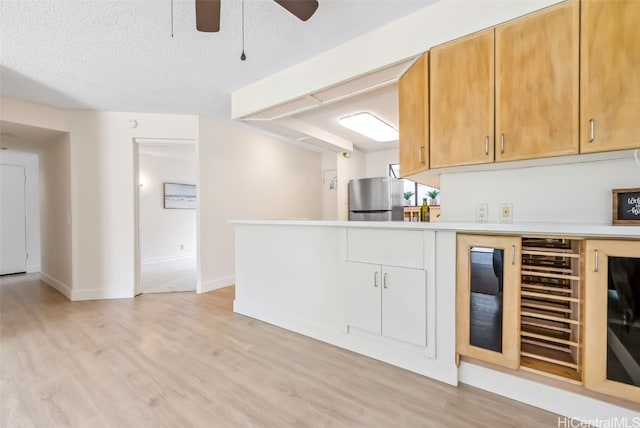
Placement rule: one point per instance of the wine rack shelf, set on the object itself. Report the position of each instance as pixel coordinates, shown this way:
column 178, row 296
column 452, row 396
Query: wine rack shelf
column 551, row 301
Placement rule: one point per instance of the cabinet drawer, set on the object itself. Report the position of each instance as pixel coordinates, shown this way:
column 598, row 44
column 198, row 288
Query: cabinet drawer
column 403, row 248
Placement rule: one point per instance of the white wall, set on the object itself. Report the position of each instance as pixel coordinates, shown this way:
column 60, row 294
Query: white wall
column 330, row 161
column 245, row 175
column 378, row 162
column 30, row 163
column 55, row 219
column 329, row 196
column 572, row 193
column 38, row 115
column 349, row 168
column 163, row 231
column 102, row 177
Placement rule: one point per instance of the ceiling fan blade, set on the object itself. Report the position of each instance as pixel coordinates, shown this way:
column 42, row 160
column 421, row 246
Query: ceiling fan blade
column 208, row 15
column 303, row 9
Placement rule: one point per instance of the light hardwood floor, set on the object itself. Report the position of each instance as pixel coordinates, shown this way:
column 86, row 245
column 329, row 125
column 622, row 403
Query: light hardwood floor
column 186, row 360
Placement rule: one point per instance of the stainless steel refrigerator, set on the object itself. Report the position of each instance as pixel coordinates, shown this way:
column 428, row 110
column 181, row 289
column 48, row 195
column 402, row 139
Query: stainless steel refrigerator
column 376, row 199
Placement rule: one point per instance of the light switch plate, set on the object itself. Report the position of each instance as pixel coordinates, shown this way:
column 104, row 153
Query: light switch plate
column 505, row 211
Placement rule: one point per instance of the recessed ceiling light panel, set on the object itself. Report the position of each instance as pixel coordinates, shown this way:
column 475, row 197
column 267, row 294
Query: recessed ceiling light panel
column 370, row 126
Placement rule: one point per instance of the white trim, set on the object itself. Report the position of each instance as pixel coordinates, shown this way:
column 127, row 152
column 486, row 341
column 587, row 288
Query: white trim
column 215, row 284
column 556, row 400
column 137, row 283
column 99, row 294
column 60, row 286
column 168, row 259
column 33, row 268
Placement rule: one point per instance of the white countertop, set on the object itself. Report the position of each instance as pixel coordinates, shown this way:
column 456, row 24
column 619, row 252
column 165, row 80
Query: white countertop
column 572, row 229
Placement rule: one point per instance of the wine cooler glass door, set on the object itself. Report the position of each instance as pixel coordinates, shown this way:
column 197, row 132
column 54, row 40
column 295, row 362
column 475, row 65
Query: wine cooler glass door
column 612, row 358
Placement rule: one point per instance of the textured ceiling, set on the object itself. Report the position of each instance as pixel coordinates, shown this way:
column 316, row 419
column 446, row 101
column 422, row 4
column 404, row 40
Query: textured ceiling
column 120, row 56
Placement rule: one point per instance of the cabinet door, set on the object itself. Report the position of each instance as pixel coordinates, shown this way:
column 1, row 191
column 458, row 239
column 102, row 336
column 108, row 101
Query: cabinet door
column 537, row 84
column 404, row 305
column 487, row 298
column 612, row 318
column 462, row 98
column 610, row 75
column 414, row 118
column 362, row 283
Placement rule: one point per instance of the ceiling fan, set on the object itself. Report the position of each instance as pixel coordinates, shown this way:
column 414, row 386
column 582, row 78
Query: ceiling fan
column 208, row 12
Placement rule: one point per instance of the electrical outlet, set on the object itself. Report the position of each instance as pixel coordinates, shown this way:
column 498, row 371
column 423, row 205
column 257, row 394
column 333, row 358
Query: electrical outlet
column 482, row 212
column 506, row 212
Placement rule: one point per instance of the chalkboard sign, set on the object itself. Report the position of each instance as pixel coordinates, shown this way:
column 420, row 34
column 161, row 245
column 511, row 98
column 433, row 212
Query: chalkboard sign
column 626, row 206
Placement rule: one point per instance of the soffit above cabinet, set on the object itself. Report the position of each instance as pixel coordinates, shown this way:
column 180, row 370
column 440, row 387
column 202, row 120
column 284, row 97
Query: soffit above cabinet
column 315, row 116
column 369, row 62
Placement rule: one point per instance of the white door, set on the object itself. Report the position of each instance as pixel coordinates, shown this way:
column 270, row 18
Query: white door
column 13, row 231
column 362, row 282
column 404, row 304
column 330, row 195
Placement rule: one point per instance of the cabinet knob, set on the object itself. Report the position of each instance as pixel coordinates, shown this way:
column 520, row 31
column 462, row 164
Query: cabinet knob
column 592, row 130
column 384, row 280
column 375, row 279
column 502, row 143
column 486, row 145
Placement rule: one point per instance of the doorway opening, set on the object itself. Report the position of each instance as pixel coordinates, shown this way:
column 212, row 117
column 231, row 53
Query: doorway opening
column 166, row 216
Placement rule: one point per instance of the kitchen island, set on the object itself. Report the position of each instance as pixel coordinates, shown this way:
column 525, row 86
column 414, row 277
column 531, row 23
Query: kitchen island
column 388, row 290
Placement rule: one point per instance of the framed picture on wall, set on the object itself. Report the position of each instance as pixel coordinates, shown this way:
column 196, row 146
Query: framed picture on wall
column 179, row 196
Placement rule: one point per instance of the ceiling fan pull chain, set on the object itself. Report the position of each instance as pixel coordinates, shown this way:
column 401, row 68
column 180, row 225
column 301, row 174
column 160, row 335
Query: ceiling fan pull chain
column 243, row 57
column 172, row 19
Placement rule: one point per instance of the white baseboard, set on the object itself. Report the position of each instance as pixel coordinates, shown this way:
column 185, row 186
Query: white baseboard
column 33, row 268
column 60, row 286
column 417, row 362
column 215, row 284
column 567, row 404
column 168, row 259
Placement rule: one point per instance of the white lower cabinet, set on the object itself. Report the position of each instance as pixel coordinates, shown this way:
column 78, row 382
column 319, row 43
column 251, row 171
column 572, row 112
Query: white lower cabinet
column 386, row 300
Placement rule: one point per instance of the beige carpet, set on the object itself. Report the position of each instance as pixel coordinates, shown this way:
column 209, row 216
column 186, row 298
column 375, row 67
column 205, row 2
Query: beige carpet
column 166, row 277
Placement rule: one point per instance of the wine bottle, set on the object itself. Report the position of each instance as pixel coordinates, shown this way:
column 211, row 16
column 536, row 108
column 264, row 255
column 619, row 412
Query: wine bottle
column 425, row 210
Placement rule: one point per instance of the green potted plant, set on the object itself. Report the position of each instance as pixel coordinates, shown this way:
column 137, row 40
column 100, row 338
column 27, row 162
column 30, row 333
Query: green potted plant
column 407, row 198
column 432, row 196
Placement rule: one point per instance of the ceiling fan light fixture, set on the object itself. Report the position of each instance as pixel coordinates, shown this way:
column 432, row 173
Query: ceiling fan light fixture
column 370, row 126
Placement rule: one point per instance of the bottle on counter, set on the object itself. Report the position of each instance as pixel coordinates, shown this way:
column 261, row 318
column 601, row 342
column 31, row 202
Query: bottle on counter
column 425, row 210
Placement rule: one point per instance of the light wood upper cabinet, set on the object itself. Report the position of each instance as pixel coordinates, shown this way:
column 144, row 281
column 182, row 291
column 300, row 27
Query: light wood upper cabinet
column 537, row 84
column 610, row 75
column 413, row 90
column 462, row 100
